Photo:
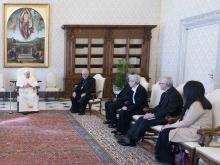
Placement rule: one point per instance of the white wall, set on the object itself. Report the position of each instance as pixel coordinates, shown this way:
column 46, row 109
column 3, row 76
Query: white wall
column 143, row 12
column 172, row 11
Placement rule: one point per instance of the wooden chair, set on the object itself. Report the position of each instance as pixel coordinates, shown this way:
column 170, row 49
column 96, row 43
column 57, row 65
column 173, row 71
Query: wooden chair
column 97, row 97
column 209, row 149
column 144, row 83
column 20, row 74
column 51, row 85
column 192, row 147
column 156, row 93
column 2, row 87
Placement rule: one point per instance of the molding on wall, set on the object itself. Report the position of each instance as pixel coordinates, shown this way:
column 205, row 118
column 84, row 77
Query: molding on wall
column 186, row 24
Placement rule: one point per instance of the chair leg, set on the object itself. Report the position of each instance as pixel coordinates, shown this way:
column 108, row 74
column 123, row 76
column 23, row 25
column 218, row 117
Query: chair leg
column 100, row 107
column 46, row 96
column 90, row 108
column 196, row 159
column 191, row 156
column 17, row 106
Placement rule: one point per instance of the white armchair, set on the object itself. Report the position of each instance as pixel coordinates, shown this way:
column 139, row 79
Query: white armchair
column 156, row 93
column 211, row 137
column 2, row 88
column 97, row 97
column 27, row 99
column 144, row 83
column 180, row 89
column 51, row 85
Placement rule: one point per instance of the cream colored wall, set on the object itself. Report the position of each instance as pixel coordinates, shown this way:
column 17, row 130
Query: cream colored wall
column 173, row 11
column 143, row 12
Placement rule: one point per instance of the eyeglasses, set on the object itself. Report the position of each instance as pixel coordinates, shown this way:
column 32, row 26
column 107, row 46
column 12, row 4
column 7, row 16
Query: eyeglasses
column 161, row 83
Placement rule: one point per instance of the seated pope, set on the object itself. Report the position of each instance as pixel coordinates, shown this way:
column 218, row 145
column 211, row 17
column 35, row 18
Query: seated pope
column 28, row 99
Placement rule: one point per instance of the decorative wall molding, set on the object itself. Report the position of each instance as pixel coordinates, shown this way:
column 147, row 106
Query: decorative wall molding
column 186, row 24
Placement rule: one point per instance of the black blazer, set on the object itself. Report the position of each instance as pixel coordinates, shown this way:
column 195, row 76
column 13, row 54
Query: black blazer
column 170, row 104
column 124, row 92
column 85, row 86
column 140, row 98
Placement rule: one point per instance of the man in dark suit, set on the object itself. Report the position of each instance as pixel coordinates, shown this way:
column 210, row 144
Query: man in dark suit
column 82, row 93
column 170, row 105
column 136, row 100
column 112, row 105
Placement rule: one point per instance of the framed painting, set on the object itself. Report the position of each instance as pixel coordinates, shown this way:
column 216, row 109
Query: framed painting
column 26, row 35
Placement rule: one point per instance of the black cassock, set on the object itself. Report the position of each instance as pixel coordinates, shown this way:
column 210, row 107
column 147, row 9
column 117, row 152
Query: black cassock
column 84, row 86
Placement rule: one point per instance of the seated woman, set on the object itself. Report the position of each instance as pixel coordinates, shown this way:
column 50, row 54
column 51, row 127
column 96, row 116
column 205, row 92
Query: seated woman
column 28, row 99
column 196, row 114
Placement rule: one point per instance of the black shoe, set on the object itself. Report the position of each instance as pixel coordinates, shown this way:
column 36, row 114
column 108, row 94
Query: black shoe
column 73, row 111
column 114, row 132
column 128, row 144
column 81, row 113
column 126, row 141
column 118, row 137
column 112, row 126
column 106, row 122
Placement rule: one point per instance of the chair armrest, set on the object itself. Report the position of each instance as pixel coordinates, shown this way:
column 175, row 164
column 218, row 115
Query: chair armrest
column 95, row 94
column 17, row 89
column 75, row 85
column 172, row 119
column 207, row 135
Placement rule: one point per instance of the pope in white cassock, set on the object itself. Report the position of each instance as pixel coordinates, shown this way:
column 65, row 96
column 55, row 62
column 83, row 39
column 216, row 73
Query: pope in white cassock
column 28, row 99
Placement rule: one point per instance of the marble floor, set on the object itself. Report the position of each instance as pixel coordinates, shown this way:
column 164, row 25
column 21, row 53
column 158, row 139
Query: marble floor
column 61, row 104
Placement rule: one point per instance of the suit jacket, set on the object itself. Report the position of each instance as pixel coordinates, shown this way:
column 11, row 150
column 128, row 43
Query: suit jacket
column 85, row 86
column 195, row 118
column 140, row 98
column 170, row 104
column 124, row 91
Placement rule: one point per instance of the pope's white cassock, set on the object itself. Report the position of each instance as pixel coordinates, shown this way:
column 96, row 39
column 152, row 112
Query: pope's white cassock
column 28, row 99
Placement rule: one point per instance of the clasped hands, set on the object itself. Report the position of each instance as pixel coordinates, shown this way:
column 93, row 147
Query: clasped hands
column 149, row 116
column 74, row 94
column 26, row 85
column 152, row 116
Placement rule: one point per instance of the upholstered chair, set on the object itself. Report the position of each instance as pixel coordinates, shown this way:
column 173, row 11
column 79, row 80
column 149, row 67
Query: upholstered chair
column 27, row 98
column 210, row 138
column 144, row 83
column 51, row 85
column 156, row 93
column 97, row 97
column 180, row 89
column 2, row 87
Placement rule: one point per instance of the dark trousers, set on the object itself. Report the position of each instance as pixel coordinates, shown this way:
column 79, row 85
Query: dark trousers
column 110, row 110
column 137, row 131
column 163, row 148
column 79, row 104
column 124, row 120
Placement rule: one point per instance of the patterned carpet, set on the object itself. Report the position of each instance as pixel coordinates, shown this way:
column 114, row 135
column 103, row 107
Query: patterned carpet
column 93, row 124
column 62, row 138
column 42, row 138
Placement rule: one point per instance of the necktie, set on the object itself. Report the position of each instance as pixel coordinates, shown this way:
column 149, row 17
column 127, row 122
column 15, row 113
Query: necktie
column 133, row 93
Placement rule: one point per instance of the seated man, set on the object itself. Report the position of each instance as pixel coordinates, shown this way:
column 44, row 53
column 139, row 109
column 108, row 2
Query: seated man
column 137, row 99
column 170, row 105
column 28, row 99
column 82, row 94
column 112, row 105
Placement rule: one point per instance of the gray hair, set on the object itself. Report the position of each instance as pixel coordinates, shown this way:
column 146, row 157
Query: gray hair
column 85, row 69
column 135, row 77
column 168, row 81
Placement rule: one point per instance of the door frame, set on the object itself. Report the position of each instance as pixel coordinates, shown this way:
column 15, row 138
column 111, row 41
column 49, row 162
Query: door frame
column 186, row 24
